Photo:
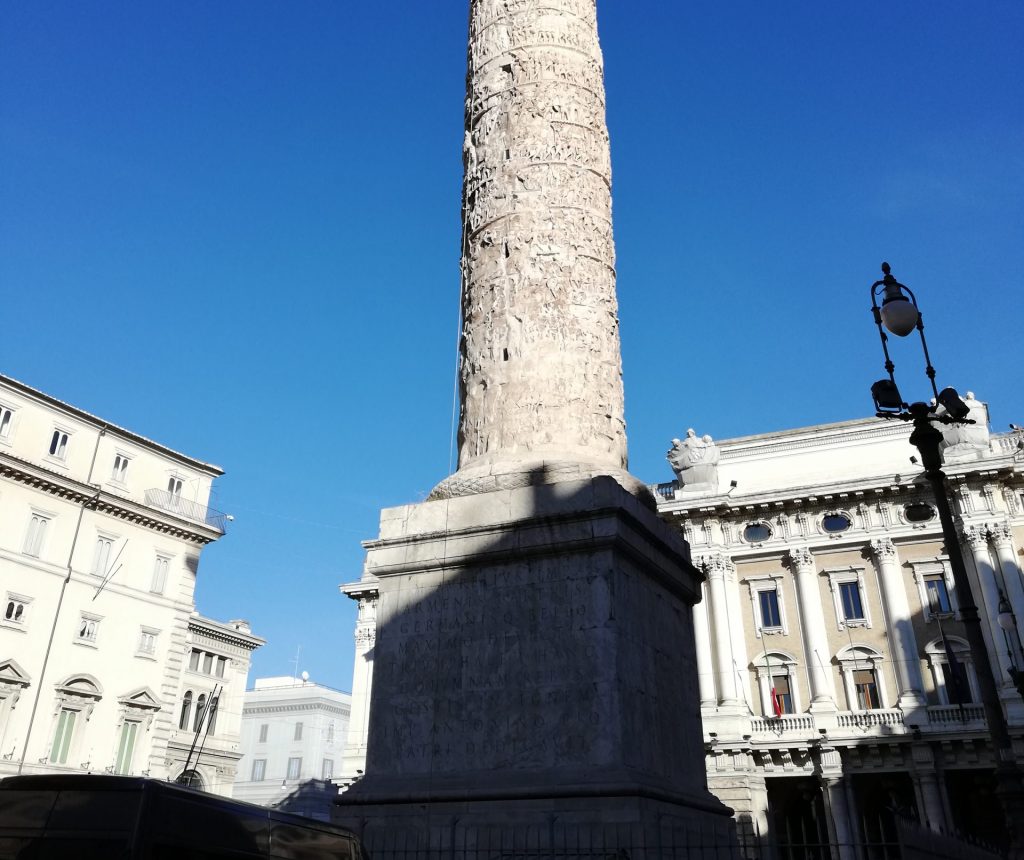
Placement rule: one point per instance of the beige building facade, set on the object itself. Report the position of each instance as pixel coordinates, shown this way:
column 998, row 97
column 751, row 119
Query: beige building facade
column 101, row 532
column 837, row 689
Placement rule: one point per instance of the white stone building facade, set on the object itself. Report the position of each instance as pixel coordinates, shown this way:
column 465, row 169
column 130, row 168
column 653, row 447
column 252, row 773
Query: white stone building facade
column 835, row 680
column 293, row 733
column 828, row 697
column 101, row 532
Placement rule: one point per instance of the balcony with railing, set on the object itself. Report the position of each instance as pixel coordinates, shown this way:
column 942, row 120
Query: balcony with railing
column 951, row 717
column 175, row 504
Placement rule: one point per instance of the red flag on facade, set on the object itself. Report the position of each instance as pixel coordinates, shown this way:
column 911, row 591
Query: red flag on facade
column 776, row 704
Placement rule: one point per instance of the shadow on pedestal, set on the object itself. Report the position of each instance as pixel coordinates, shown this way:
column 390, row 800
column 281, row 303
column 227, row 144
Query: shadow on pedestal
column 535, row 684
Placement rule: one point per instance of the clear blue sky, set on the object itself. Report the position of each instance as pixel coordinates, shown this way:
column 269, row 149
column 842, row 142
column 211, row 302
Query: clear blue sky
column 234, row 227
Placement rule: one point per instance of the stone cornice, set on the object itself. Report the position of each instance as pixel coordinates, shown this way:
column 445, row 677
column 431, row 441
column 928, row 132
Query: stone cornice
column 221, row 633
column 100, row 424
column 55, row 484
column 318, row 705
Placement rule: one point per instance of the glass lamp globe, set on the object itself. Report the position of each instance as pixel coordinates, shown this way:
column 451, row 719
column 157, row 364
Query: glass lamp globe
column 899, row 315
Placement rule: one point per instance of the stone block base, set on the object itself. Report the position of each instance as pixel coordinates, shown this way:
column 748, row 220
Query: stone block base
column 599, row 826
column 534, row 676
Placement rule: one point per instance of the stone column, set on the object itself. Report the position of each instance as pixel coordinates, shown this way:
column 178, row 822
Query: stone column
column 715, row 567
column 901, row 628
column 837, row 807
column 928, row 787
column 540, row 371
column 737, row 641
column 1002, row 539
column 702, row 640
column 976, row 538
column 812, row 631
column 354, row 755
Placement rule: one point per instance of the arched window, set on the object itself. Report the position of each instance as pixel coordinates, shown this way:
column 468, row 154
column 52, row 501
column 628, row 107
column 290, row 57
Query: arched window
column 200, row 707
column 860, row 666
column 190, row 778
column 76, row 698
column 186, row 706
column 776, row 679
column 952, row 671
column 214, row 705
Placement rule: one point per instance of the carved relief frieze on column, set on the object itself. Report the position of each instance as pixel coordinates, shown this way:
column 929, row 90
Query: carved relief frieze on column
column 540, row 375
column 812, row 630
column 900, row 625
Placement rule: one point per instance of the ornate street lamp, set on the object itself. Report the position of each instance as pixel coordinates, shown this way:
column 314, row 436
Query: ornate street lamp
column 899, row 314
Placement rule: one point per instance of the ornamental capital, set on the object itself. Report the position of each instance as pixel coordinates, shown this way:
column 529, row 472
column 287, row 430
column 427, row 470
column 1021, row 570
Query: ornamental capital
column 801, row 558
column 976, row 537
column 884, row 549
column 715, row 566
column 1002, row 534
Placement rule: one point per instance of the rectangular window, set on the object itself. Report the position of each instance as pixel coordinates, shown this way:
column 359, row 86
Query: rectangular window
column 160, row 569
column 126, row 747
column 88, row 629
column 327, row 772
column 259, row 769
column 62, row 737
column 294, row 768
column 207, row 663
column 938, row 595
column 16, row 610
column 193, row 660
column 264, row 728
column 867, row 689
column 783, row 693
column 120, row 470
column 853, row 608
column 59, row 445
column 330, row 732
column 298, row 731
column 35, row 535
column 147, row 642
column 6, row 417
column 101, row 555
column 221, row 664
column 770, row 615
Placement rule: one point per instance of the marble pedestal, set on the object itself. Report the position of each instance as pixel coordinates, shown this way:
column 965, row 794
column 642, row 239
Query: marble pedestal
column 534, row 678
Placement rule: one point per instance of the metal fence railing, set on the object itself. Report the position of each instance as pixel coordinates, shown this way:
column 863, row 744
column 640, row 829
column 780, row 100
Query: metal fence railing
column 175, row 504
column 452, row 840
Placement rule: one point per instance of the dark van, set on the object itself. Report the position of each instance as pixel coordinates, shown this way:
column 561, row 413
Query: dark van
column 93, row 817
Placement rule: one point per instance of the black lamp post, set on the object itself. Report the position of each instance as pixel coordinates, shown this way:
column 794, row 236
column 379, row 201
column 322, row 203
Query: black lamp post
column 899, row 315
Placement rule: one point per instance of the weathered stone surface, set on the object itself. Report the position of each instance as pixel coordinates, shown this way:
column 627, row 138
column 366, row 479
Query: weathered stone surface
column 540, row 366
column 534, row 647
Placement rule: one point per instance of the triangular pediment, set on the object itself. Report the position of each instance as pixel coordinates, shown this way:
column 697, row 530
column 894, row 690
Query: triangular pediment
column 12, row 673
column 143, row 697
